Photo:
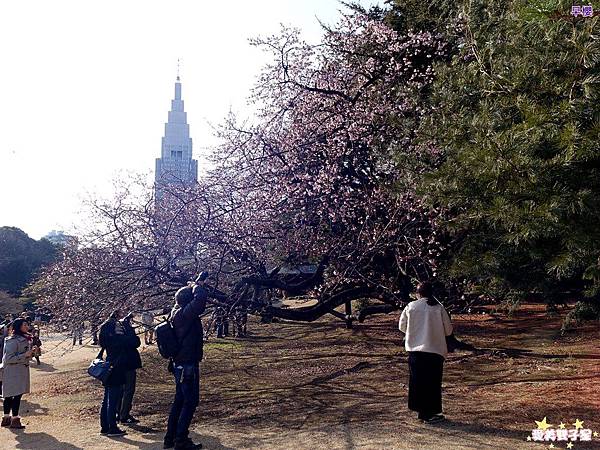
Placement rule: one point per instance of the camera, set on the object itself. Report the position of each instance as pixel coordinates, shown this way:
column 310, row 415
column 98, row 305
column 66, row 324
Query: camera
column 202, row 277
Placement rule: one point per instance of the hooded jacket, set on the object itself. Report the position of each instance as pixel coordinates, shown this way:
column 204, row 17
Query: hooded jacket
column 132, row 356
column 185, row 319
column 118, row 345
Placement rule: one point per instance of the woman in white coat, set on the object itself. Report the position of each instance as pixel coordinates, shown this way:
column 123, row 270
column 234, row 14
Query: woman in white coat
column 426, row 325
column 16, row 355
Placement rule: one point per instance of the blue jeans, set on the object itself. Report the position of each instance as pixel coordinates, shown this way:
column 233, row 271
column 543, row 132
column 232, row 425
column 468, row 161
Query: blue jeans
column 108, row 412
column 187, row 397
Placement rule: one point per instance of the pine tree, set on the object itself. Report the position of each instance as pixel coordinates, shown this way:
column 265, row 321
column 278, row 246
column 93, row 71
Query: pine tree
column 516, row 119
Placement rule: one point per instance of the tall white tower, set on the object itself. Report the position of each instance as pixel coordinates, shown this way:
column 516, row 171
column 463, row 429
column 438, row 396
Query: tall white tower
column 176, row 165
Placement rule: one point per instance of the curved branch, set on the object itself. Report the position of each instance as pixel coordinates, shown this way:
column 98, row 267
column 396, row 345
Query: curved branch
column 312, row 313
column 277, row 283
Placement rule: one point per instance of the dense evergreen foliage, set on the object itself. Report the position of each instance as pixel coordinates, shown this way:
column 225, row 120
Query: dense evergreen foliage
column 21, row 257
column 516, row 119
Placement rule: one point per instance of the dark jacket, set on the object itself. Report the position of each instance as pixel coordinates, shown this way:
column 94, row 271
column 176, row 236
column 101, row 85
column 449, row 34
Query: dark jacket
column 3, row 336
column 36, row 341
column 133, row 360
column 117, row 346
column 188, row 326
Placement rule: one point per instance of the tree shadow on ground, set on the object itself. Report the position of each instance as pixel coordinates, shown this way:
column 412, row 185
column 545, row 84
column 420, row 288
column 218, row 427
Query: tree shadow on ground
column 32, row 409
column 43, row 367
column 155, row 444
column 143, row 430
column 526, row 353
column 318, row 377
column 477, row 429
column 41, row 441
column 156, row 438
column 475, row 434
column 209, row 442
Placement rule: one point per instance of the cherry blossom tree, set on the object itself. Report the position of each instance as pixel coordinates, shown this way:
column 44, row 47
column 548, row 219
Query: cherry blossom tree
column 322, row 177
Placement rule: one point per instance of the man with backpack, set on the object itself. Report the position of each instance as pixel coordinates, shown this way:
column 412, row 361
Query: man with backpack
column 184, row 330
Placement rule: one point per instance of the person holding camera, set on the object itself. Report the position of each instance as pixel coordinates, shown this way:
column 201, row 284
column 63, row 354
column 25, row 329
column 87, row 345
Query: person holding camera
column 16, row 354
column 117, row 343
column 190, row 303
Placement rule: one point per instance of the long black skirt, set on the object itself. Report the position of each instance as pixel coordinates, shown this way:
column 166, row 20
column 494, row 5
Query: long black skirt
column 425, row 383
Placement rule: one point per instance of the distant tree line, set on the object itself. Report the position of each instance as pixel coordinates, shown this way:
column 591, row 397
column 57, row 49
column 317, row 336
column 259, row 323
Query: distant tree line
column 21, row 258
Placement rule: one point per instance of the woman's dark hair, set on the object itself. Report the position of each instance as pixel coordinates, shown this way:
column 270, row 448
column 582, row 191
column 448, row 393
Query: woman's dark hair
column 425, row 289
column 17, row 324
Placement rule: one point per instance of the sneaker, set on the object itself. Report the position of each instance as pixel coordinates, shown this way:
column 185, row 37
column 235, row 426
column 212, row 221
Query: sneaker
column 116, row 433
column 130, row 420
column 6, row 421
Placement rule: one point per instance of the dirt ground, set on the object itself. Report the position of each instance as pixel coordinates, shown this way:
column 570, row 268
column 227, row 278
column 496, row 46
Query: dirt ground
column 320, row 386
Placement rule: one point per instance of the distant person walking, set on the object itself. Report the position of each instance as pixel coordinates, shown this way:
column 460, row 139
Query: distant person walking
column 190, row 302
column 15, row 381
column 94, row 330
column 78, row 333
column 222, row 323
column 116, row 342
column 148, row 321
column 132, row 362
column 37, row 320
column 241, row 322
column 5, row 330
column 426, row 324
column 37, row 344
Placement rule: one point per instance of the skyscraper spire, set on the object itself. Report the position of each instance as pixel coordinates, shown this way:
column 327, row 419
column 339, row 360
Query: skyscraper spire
column 176, row 165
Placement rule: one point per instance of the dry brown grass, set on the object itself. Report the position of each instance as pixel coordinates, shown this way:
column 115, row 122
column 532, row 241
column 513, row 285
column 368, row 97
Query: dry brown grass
column 298, row 385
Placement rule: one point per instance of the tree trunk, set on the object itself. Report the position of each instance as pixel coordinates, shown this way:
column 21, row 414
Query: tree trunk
column 348, row 308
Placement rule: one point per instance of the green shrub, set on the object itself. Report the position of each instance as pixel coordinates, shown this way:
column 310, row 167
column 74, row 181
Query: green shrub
column 583, row 311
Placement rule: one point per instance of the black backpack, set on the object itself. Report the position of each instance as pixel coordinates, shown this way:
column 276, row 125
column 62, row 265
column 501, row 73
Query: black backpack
column 166, row 339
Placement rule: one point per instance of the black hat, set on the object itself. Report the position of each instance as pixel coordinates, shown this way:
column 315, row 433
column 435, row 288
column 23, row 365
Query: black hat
column 184, row 295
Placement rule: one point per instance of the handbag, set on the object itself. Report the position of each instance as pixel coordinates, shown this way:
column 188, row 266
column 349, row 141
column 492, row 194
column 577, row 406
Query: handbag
column 454, row 344
column 100, row 369
column 451, row 343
